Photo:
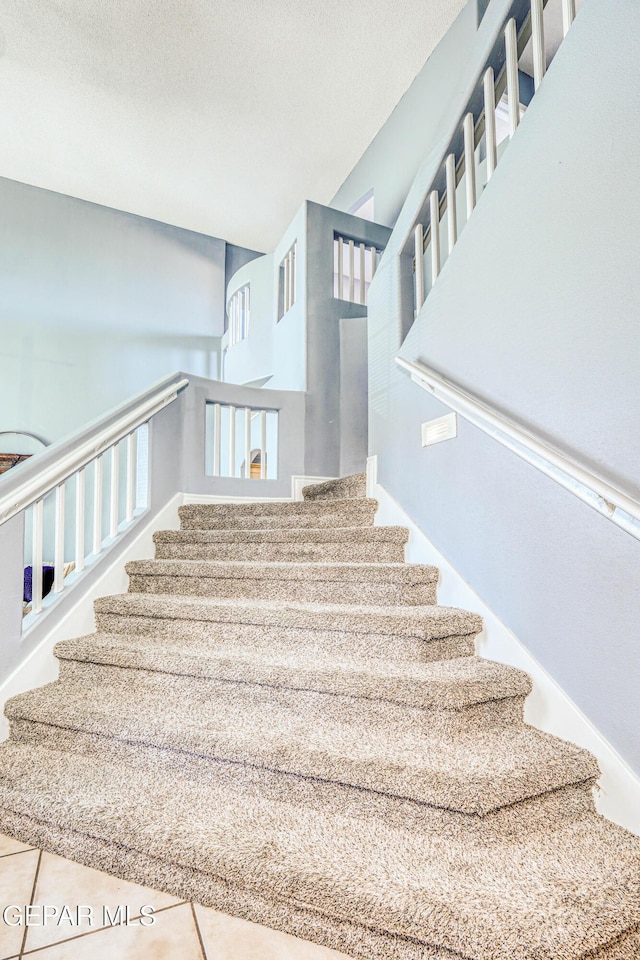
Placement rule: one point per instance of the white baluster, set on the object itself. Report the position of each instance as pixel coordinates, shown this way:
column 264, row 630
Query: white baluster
column 362, row 288
column 434, row 218
column 374, row 261
column 452, row 216
column 490, row 121
column 130, row 503
column 263, row 444
column 232, row 441
column 248, row 290
column 418, row 238
column 352, row 271
column 513, row 84
column 80, row 508
column 537, row 38
column 340, row 268
column 216, row 439
column 247, row 442
column 98, row 471
column 58, row 552
column 292, row 276
column 285, row 292
column 115, row 491
column 568, row 15
column 470, row 162
column 36, row 556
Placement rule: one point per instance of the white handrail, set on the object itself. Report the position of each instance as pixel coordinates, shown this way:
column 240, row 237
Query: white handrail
column 22, row 495
column 582, row 481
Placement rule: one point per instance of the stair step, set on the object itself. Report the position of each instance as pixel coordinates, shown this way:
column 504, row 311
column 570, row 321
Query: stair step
column 404, row 893
column 352, row 544
column 392, row 749
column 290, row 514
column 447, row 685
column 376, row 583
column 351, row 487
column 389, row 632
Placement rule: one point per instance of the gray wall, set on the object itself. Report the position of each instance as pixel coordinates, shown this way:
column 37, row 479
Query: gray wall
column 537, row 312
column 390, row 161
column 326, row 315
column 311, row 347
column 96, row 304
column 353, row 395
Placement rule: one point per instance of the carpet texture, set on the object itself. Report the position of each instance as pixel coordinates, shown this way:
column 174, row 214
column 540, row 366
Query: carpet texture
column 279, row 721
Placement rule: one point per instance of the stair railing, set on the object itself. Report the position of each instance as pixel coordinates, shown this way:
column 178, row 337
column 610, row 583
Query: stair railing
column 438, row 225
column 117, row 440
column 579, row 479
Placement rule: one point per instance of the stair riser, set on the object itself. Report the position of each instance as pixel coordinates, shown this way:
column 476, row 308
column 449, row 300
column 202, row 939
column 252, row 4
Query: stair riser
column 275, row 508
column 315, row 768
column 324, row 521
column 284, row 552
column 267, row 727
column 379, row 646
column 536, row 813
column 311, row 591
column 192, row 885
column 361, row 701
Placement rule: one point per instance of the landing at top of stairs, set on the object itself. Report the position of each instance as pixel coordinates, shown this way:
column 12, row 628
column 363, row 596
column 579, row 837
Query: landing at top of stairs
column 341, row 489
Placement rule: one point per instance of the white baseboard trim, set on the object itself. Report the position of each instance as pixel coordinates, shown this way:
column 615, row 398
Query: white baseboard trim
column 298, row 482
column 548, row 707
column 213, row 498
column 41, row 666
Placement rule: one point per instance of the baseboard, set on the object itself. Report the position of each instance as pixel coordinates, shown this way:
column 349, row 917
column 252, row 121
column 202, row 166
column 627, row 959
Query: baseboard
column 213, row 498
column 548, row 707
column 41, row 666
column 299, row 482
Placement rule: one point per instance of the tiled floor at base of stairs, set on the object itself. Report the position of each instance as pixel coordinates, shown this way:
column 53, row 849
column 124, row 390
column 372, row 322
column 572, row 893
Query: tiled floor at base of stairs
column 180, row 931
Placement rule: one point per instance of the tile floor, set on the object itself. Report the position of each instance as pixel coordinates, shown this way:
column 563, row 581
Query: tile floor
column 182, row 930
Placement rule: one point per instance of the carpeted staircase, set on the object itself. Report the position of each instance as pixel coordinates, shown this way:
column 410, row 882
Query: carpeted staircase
column 278, row 721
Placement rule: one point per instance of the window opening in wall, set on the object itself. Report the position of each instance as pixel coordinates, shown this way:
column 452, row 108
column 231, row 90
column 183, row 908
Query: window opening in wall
column 238, row 311
column 238, row 435
column 255, row 465
column 287, row 285
column 354, row 267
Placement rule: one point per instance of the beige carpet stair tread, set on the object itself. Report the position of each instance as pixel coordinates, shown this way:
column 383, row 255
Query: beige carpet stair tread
column 425, row 622
column 392, row 749
column 301, row 514
column 364, row 535
column 271, row 508
column 348, row 487
column 557, row 896
column 444, row 685
column 376, row 573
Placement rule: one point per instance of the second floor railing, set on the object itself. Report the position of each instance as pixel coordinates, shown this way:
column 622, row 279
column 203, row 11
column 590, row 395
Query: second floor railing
column 355, row 265
column 479, row 139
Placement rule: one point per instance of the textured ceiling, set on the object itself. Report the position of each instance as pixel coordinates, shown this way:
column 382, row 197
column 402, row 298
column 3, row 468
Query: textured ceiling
column 217, row 115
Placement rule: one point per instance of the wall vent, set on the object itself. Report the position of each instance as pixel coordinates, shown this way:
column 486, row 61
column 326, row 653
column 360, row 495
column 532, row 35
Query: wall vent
column 444, row 428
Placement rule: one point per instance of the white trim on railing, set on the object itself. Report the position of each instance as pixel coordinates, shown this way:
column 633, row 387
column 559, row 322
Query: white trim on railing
column 598, row 493
column 35, row 488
